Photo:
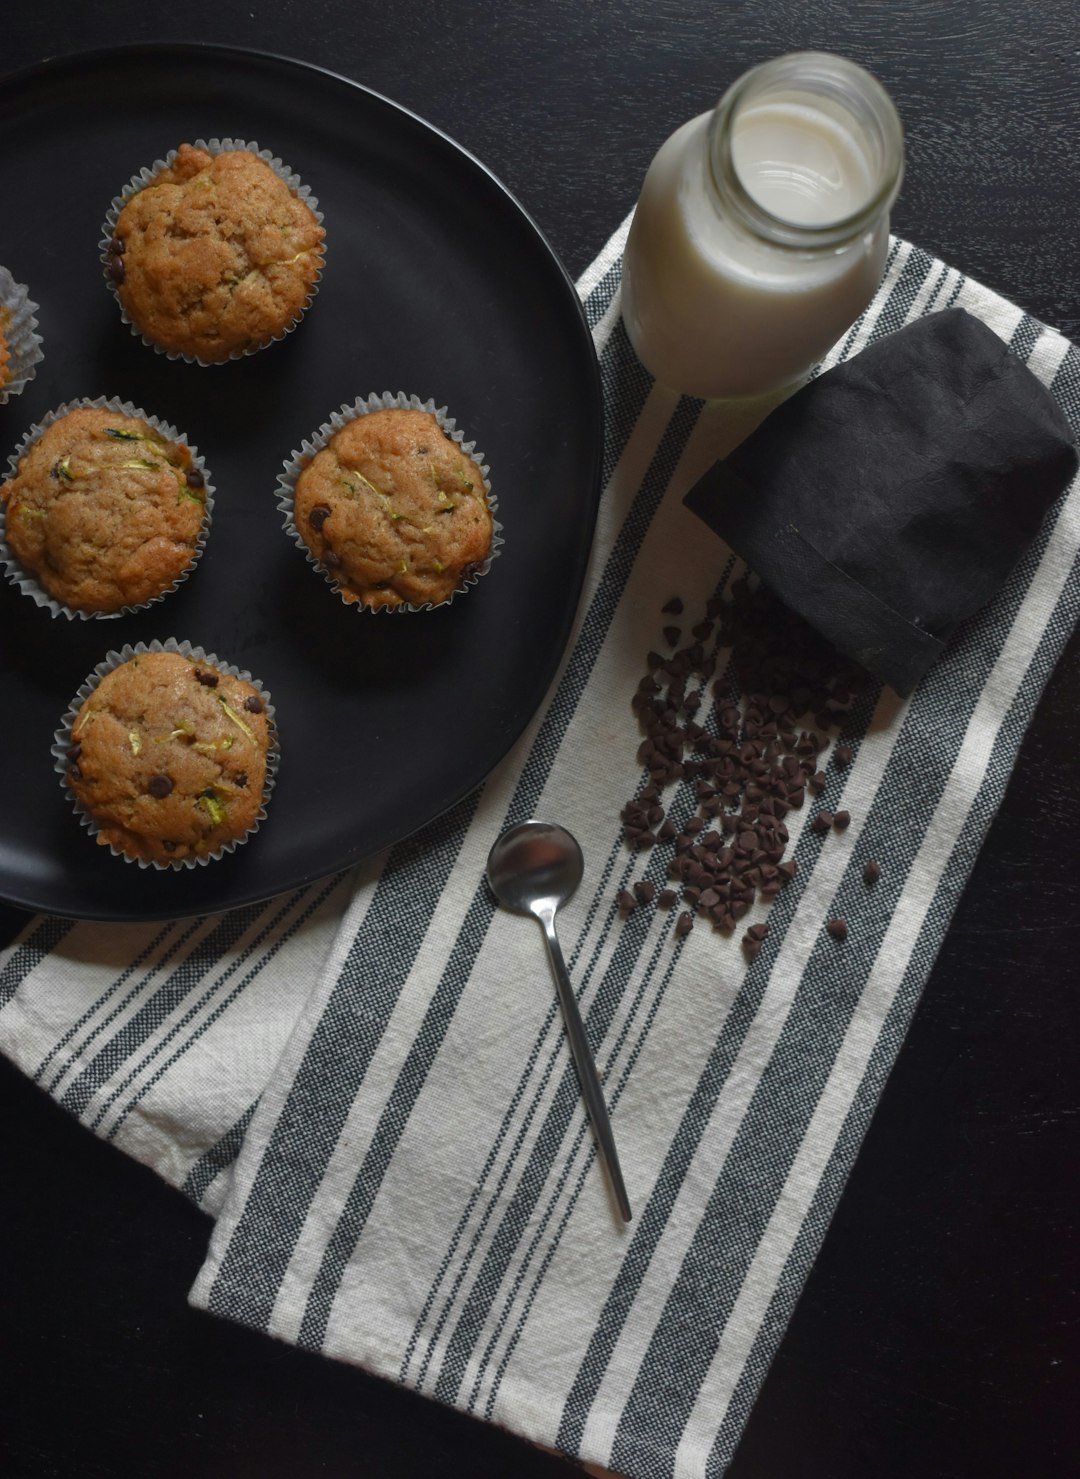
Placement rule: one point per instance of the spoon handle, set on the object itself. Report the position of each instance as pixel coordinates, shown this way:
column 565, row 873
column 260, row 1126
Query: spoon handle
column 586, row 1066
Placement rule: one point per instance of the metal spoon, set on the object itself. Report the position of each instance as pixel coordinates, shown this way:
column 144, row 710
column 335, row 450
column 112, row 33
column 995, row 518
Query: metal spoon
column 533, row 869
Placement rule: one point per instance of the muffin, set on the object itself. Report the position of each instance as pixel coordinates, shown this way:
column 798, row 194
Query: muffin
column 394, row 510
column 215, row 256
column 20, row 344
column 167, row 756
column 104, row 511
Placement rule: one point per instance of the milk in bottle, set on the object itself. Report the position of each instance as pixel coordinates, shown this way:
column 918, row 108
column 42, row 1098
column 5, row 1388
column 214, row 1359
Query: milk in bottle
column 762, row 228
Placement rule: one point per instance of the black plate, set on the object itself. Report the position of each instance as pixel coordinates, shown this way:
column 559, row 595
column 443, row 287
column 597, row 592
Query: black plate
column 437, row 283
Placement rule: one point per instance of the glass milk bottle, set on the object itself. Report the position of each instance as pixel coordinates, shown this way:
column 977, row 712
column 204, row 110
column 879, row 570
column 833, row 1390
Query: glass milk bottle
column 762, row 227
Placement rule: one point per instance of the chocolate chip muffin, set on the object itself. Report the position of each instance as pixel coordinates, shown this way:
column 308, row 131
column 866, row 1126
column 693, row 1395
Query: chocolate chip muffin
column 104, row 511
column 216, row 256
column 167, row 757
column 394, row 510
column 20, row 345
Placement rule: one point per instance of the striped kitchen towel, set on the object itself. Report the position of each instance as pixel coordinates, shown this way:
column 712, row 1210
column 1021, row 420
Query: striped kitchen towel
column 366, row 1083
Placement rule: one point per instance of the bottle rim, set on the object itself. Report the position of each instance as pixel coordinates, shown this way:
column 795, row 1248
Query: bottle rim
column 847, row 84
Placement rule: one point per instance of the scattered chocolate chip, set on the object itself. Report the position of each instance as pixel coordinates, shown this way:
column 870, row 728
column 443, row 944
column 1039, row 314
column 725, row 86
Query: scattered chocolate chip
column 684, row 924
column 208, row 680
column 837, row 928
column 118, row 246
column 194, row 478
column 841, row 820
column 645, row 890
column 318, row 516
column 843, row 755
column 872, row 872
column 751, row 948
column 626, row 901
column 253, row 703
column 750, row 761
column 160, row 786
column 116, row 270
column 758, row 931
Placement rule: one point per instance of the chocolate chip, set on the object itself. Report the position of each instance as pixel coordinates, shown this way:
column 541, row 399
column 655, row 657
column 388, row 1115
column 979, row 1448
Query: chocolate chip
column 822, row 822
column 645, row 890
column 241, row 778
column 626, row 901
column 194, row 478
column 253, row 703
column 758, row 931
column 318, row 516
column 872, row 872
column 74, row 772
column 75, row 750
column 837, row 928
column 684, row 924
column 843, row 755
column 672, row 635
column 332, row 559
column 168, row 844
column 208, row 680
column 841, row 820
column 788, row 869
column 674, row 607
column 116, row 270
column 160, row 786
column 818, row 782
column 666, row 897
column 118, row 246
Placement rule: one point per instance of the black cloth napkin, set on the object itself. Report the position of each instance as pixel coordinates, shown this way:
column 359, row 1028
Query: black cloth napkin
column 888, row 499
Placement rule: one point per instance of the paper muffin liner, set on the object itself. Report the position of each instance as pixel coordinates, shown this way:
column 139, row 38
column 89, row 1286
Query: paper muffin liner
column 25, row 582
column 24, row 344
column 62, row 745
column 145, row 177
column 299, row 459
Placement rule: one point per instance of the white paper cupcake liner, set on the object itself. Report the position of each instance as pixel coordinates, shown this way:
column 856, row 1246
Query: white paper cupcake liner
column 25, row 582
column 145, row 177
column 62, row 745
column 24, row 344
column 299, row 459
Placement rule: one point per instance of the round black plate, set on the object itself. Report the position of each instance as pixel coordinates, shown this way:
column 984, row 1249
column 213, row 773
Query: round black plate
column 436, row 283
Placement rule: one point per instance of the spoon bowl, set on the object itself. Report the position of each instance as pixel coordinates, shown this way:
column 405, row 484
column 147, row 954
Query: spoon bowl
column 534, row 861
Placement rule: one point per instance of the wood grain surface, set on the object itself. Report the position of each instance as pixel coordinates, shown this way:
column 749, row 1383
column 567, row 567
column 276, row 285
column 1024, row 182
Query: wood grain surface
column 937, row 1335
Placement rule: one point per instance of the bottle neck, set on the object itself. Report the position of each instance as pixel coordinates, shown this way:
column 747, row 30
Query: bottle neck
column 805, row 153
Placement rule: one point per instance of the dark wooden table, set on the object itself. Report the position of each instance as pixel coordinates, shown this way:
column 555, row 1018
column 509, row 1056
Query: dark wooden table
column 937, row 1335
